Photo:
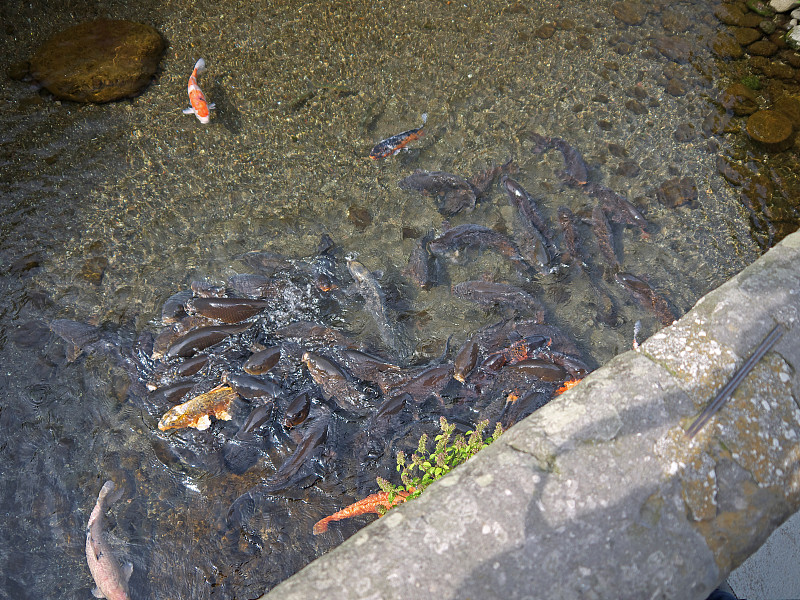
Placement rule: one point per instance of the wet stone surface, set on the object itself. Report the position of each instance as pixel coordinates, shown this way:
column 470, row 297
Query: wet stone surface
column 98, row 61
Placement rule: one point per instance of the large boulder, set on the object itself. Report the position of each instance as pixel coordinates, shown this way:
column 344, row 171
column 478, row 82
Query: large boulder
column 98, row 61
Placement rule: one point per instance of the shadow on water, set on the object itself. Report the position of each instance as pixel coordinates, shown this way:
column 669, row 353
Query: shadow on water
column 107, row 210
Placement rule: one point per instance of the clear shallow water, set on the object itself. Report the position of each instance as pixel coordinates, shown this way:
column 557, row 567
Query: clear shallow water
column 165, row 201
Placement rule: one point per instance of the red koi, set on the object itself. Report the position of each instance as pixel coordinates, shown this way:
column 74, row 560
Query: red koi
column 199, row 108
column 568, row 385
column 370, row 504
column 393, row 145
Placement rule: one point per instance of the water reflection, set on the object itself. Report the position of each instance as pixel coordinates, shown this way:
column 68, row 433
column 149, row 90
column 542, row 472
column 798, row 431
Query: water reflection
column 109, row 209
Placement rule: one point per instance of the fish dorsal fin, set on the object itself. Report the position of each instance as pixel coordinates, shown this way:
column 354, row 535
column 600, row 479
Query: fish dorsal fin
column 127, row 570
column 73, row 352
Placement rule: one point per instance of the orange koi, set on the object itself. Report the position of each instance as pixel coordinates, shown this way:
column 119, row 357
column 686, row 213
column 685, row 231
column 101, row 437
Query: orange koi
column 196, row 412
column 370, row 504
column 393, row 145
column 568, row 385
column 199, row 107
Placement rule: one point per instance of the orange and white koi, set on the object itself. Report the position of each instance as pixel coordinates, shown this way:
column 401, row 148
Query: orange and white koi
column 199, row 107
column 370, row 504
column 393, row 145
column 197, row 411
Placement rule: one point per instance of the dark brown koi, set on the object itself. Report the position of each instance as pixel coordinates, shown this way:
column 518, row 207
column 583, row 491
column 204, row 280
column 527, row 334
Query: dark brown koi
column 466, row 359
column 170, row 334
column 375, row 306
column 422, row 264
column 470, row 236
column 203, row 337
column 174, row 308
column 393, row 145
column 227, row 310
column 262, row 361
column 567, row 221
column 171, row 394
column 575, row 170
column 257, row 417
column 605, row 239
column 204, row 289
column 316, row 435
column 502, row 295
column 645, row 295
column 482, row 182
column 333, row 381
column 250, row 387
column 249, row 284
column 79, row 336
column 620, row 208
column 539, row 369
column 429, row 383
column 393, row 405
column 297, row 411
column 455, row 193
column 374, row 369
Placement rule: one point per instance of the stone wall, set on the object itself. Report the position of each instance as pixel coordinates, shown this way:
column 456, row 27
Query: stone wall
column 600, row 494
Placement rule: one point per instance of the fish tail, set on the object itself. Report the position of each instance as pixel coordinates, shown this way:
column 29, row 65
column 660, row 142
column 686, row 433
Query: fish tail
column 200, row 65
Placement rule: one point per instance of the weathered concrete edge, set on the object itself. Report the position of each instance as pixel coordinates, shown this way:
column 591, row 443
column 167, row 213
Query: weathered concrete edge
column 600, row 494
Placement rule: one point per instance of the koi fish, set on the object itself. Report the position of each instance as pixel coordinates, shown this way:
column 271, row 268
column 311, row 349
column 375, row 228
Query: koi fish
column 568, row 385
column 196, row 412
column 199, row 107
column 111, row 579
column 393, row 145
column 370, row 504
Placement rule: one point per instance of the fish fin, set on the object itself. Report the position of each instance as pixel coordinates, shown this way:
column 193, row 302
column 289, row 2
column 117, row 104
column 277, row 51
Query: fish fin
column 73, row 352
column 202, row 423
column 97, row 593
column 200, row 65
column 223, row 415
column 188, row 111
column 127, row 570
column 212, row 106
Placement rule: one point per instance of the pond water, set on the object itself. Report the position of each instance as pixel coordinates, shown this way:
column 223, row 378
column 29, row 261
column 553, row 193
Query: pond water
column 108, row 210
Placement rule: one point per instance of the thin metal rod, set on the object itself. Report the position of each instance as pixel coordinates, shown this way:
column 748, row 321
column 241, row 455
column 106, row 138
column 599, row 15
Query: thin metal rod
column 727, row 390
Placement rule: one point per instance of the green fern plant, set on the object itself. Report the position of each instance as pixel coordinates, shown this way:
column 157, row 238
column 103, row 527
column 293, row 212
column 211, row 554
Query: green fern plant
column 426, row 467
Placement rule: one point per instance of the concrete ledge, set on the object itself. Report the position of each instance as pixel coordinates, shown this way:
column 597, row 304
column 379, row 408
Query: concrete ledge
column 600, row 494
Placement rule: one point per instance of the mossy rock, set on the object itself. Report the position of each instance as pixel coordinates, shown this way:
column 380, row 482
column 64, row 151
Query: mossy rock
column 98, row 61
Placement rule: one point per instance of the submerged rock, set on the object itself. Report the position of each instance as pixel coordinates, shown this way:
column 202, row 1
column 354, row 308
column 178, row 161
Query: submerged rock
column 98, row 61
column 771, row 128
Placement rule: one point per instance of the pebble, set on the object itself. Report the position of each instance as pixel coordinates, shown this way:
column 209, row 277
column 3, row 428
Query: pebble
column 359, row 216
column 789, row 106
column 726, row 47
column 739, row 99
column 762, row 48
column 94, row 269
column 636, row 107
column 677, row 192
column 685, row 132
column 676, row 87
column 628, row 168
column 98, row 61
column 771, row 128
column 545, row 31
column 674, row 21
column 673, row 48
column 746, row 35
column 783, row 5
column 630, row 13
